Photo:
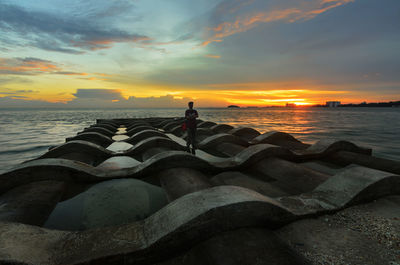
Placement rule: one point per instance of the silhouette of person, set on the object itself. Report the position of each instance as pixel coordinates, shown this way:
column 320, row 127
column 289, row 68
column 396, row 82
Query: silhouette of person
column 190, row 116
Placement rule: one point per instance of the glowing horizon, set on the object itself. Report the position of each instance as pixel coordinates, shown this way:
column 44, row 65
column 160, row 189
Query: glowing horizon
column 218, row 53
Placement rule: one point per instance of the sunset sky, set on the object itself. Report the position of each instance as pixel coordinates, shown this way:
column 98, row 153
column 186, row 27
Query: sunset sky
column 163, row 53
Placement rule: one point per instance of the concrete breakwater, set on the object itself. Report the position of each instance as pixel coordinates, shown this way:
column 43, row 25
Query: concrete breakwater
column 125, row 191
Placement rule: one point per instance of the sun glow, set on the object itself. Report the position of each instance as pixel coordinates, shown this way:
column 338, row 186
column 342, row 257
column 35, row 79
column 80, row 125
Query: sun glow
column 303, row 103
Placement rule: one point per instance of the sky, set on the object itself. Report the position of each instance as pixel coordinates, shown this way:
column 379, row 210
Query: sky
column 164, row 53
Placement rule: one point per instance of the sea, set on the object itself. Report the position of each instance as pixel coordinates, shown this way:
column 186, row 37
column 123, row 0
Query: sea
column 26, row 134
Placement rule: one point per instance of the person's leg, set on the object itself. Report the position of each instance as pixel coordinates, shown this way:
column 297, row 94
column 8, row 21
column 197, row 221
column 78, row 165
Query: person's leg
column 193, row 141
column 188, row 139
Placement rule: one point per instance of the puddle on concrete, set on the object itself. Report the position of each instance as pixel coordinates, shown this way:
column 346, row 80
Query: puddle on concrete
column 120, row 137
column 119, row 146
column 118, row 162
column 121, row 131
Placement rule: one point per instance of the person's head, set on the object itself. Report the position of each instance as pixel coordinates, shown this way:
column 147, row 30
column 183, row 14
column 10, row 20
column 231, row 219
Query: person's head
column 190, row 104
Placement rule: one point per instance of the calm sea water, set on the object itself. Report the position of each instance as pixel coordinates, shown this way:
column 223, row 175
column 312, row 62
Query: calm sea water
column 26, row 134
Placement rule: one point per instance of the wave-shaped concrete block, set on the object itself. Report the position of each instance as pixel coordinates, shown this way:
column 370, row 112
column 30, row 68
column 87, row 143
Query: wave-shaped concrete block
column 201, row 134
column 106, row 204
column 105, row 126
column 345, row 158
column 139, row 129
column 169, row 228
column 169, row 126
column 115, row 124
column 205, row 124
column 142, row 135
column 136, row 124
column 196, row 212
column 288, row 176
column 48, row 169
column 65, row 170
column 98, row 130
column 329, row 146
column 221, row 128
column 254, row 154
column 177, row 130
column 82, row 151
column 161, row 124
column 237, row 178
column 31, row 203
column 93, row 137
column 73, row 171
column 245, row 133
column 118, row 162
column 181, row 181
column 357, row 184
column 153, row 142
column 273, row 136
column 211, row 141
column 163, row 161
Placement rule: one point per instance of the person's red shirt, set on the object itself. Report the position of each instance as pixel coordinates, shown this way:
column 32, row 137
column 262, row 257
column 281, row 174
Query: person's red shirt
column 191, row 115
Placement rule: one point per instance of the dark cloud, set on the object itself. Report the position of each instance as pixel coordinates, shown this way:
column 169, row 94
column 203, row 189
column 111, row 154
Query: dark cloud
column 18, row 102
column 56, row 33
column 18, row 97
column 112, row 9
column 95, row 93
column 53, row 45
column 15, row 92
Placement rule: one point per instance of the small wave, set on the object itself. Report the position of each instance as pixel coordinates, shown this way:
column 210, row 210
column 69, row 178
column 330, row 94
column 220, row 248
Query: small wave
column 25, row 150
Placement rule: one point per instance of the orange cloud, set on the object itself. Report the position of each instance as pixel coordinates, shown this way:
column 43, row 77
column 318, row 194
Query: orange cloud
column 213, row 56
column 291, row 15
column 95, row 79
column 27, row 66
column 107, row 43
column 205, row 43
column 32, row 66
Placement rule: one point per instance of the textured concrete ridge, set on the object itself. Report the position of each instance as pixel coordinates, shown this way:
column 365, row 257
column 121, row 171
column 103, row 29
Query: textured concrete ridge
column 125, row 191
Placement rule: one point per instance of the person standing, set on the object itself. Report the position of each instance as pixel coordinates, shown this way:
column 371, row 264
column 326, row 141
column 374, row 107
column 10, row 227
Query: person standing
column 191, row 115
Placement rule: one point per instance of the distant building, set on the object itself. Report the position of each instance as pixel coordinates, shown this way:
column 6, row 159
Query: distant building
column 290, row 105
column 333, row 104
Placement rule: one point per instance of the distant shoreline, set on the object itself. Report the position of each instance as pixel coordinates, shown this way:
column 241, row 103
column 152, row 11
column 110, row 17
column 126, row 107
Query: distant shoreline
column 364, row 104
column 361, row 105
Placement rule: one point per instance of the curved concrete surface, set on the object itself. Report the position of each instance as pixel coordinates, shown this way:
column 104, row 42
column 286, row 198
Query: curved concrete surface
column 93, row 137
column 106, row 204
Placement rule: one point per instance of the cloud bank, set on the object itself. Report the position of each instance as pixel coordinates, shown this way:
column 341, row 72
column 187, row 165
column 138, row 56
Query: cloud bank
column 59, row 32
column 94, row 98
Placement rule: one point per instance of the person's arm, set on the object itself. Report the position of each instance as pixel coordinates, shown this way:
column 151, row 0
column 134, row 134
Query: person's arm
column 192, row 115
